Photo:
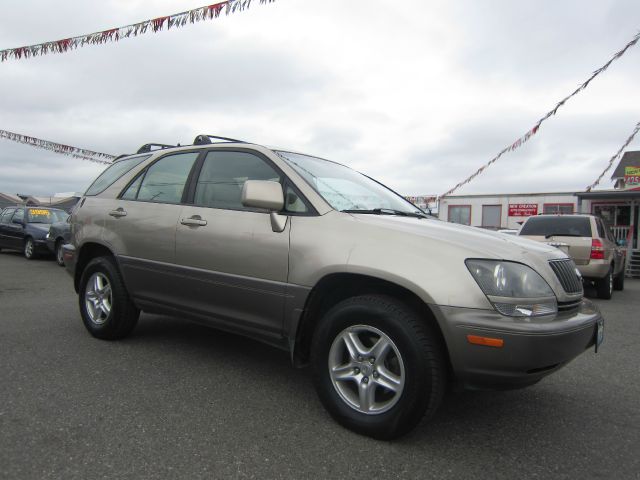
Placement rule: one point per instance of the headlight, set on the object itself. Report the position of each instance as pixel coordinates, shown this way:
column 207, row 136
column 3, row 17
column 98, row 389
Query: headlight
column 514, row 289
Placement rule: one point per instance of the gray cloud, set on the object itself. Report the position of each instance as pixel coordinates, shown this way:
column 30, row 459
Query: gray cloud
column 418, row 95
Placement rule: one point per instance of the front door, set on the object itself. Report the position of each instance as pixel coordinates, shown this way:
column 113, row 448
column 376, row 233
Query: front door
column 5, row 228
column 234, row 265
column 14, row 230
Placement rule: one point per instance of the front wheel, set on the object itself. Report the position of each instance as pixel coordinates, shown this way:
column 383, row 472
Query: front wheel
column 378, row 367
column 29, row 249
column 106, row 309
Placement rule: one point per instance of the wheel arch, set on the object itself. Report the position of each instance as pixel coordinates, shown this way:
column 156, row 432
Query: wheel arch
column 335, row 287
column 88, row 251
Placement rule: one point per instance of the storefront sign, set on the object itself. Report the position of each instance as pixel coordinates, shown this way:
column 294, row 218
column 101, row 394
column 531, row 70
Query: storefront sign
column 632, row 177
column 523, row 209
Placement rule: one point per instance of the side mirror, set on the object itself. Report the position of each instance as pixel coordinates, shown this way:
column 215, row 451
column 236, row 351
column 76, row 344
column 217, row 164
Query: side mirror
column 17, row 222
column 263, row 194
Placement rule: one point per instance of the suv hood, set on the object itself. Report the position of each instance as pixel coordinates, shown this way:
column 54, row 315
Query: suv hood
column 477, row 242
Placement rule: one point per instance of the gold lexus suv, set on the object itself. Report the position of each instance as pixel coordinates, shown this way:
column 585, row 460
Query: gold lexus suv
column 588, row 241
column 388, row 306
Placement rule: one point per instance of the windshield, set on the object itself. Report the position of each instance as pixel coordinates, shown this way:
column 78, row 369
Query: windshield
column 559, row 226
column 44, row 215
column 344, row 188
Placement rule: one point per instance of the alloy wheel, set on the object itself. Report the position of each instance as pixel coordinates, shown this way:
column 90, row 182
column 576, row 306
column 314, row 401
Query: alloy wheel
column 98, row 298
column 366, row 369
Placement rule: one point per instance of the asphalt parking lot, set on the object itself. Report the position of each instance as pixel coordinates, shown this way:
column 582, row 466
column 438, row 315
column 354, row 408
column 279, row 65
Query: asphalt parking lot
column 178, row 400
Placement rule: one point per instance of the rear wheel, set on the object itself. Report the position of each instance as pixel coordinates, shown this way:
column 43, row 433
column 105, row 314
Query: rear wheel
column 106, row 309
column 618, row 281
column 29, row 249
column 59, row 253
column 604, row 286
column 378, row 367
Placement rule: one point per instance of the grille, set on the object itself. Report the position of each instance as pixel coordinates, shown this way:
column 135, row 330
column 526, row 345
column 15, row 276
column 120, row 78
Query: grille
column 565, row 270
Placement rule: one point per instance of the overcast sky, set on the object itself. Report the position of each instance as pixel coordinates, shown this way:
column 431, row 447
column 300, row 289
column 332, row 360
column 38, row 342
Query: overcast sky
column 415, row 93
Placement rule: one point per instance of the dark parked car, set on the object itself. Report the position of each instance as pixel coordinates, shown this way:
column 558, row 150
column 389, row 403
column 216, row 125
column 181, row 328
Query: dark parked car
column 25, row 228
column 58, row 235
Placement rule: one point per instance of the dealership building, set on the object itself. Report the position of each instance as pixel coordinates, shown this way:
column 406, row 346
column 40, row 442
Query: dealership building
column 619, row 207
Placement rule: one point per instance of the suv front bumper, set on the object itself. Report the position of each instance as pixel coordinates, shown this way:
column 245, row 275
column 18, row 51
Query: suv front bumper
column 532, row 348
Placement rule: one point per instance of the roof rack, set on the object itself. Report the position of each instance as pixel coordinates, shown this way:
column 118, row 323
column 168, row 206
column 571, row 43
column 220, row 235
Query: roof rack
column 206, row 139
column 149, row 147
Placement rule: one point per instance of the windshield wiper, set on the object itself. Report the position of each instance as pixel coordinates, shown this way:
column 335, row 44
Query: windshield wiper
column 387, row 211
column 562, row 235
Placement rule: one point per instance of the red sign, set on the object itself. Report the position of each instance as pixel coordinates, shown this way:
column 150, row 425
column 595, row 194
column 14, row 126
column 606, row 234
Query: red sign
column 523, row 209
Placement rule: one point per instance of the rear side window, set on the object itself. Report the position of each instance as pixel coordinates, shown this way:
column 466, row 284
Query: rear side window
column 113, row 173
column 164, row 181
column 567, row 226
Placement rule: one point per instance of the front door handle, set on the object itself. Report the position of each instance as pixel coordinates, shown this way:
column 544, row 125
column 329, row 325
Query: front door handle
column 120, row 212
column 194, row 221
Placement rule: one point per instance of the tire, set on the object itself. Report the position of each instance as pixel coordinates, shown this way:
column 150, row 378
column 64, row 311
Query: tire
column 29, row 249
column 604, row 286
column 414, row 365
column 106, row 309
column 618, row 281
column 59, row 253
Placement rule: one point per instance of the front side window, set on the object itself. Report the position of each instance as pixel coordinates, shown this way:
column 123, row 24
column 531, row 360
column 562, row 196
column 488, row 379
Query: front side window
column 460, row 214
column 164, row 181
column 113, row 173
column 223, row 175
column 344, row 188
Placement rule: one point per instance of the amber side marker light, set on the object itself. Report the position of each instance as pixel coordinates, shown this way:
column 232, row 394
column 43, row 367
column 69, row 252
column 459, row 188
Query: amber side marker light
column 486, row 341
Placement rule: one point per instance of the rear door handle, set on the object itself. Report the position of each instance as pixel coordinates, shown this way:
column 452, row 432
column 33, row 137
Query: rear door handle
column 120, row 212
column 195, row 221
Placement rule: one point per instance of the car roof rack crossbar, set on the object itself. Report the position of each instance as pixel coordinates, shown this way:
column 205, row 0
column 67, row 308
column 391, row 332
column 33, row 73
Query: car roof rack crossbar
column 206, row 139
column 150, row 147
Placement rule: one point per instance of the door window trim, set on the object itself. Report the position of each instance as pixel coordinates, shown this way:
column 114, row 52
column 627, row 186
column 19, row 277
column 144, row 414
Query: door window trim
column 143, row 173
column 285, row 181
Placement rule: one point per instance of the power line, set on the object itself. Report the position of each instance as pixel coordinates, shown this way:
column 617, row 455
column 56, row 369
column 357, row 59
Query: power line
column 616, row 156
column 82, row 153
column 527, row 136
column 154, row 25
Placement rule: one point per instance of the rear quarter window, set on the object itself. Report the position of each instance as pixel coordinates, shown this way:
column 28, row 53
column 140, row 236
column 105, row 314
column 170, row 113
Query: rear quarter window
column 113, row 173
column 568, row 226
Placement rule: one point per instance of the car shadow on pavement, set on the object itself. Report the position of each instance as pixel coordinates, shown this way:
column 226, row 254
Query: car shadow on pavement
column 463, row 417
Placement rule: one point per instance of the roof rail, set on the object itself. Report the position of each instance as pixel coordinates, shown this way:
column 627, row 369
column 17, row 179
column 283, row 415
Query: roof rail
column 206, row 139
column 148, row 147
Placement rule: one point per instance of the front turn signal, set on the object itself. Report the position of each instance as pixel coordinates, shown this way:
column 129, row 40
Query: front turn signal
column 485, row 341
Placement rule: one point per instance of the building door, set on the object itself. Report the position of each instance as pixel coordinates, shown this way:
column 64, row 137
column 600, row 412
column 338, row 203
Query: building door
column 491, row 216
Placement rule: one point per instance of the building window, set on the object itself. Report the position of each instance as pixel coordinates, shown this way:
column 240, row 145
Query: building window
column 491, row 216
column 460, row 214
column 613, row 214
column 558, row 208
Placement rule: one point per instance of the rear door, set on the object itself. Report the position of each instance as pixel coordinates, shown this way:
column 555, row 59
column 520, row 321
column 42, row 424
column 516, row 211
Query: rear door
column 141, row 227
column 234, row 266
